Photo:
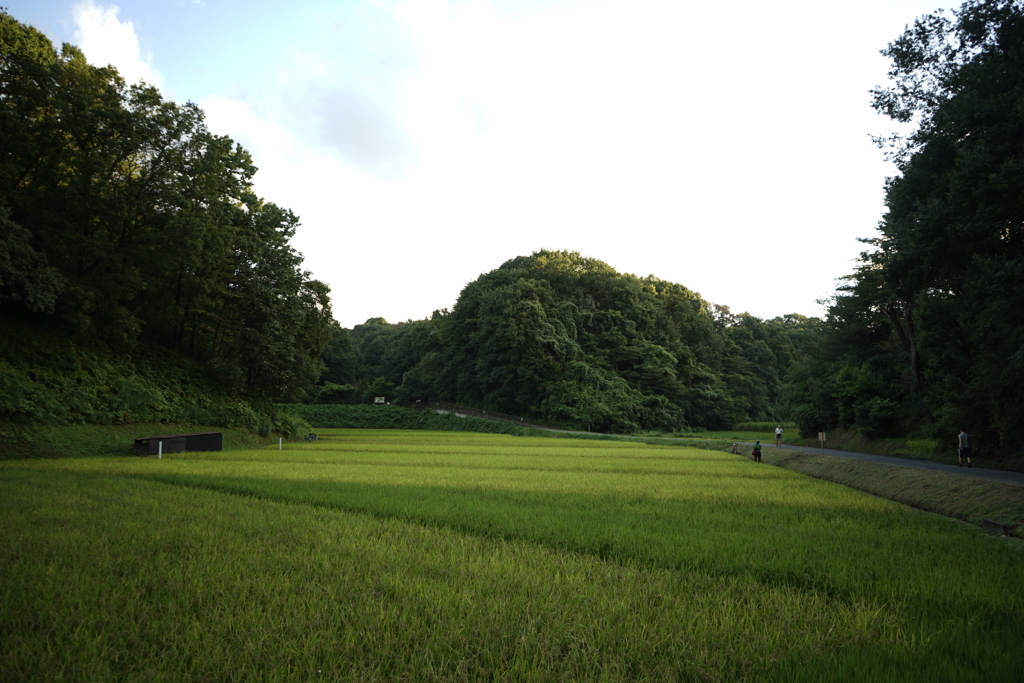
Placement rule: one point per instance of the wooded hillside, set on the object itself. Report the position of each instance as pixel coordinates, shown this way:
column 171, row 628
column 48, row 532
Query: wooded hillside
column 566, row 340
column 125, row 223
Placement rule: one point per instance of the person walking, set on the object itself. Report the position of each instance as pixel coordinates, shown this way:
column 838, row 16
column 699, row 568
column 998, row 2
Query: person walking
column 778, row 436
column 757, row 452
column 963, row 449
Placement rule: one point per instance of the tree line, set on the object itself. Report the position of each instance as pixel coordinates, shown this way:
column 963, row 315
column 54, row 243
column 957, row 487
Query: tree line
column 566, row 340
column 926, row 335
column 124, row 220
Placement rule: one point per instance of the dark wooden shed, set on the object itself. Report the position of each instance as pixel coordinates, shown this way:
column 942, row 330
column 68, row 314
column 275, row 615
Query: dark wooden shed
column 176, row 443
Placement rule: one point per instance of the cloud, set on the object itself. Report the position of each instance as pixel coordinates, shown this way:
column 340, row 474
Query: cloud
column 342, row 88
column 362, row 131
column 438, row 138
column 106, row 40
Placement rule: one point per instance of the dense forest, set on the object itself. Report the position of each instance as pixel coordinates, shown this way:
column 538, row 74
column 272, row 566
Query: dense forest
column 566, row 340
column 126, row 223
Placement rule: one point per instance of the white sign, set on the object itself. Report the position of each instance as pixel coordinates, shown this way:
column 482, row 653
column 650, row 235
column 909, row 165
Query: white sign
column 378, row 399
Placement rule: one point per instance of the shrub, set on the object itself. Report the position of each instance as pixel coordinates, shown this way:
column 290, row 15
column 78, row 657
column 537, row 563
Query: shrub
column 393, row 417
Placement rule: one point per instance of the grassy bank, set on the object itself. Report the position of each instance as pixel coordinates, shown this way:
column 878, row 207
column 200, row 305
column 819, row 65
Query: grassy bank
column 82, row 441
column 53, row 387
column 394, row 417
column 959, row 497
column 373, row 555
column 916, row 448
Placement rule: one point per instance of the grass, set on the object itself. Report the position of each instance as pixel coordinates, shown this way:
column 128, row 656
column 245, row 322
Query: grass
column 789, row 436
column 93, row 440
column 424, row 556
column 935, row 450
column 965, row 498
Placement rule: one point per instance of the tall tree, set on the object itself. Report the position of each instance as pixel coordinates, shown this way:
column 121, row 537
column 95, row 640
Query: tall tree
column 129, row 221
column 944, row 271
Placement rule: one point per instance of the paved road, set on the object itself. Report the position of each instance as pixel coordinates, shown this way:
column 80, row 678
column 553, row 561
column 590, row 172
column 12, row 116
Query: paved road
column 980, row 472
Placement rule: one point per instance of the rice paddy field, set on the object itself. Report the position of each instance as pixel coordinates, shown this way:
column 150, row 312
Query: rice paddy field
column 424, row 556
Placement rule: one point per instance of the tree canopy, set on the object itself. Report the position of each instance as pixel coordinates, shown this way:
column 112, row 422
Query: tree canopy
column 126, row 220
column 565, row 339
column 927, row 330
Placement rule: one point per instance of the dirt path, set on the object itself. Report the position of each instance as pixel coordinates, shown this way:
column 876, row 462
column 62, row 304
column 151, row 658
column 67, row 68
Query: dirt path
column 1016, row 478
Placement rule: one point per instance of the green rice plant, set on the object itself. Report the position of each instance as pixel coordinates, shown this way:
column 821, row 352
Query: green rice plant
column 371, row 555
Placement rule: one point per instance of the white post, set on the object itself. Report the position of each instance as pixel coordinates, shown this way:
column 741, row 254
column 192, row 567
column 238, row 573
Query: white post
column 280, row 443
column 159, row 450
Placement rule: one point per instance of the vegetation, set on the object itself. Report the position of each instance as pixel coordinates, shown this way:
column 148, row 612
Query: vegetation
column 394, row 417
column 567, row 341
column 966, row 498
column 129, row 228
column 93, row 440
column 388, row 555
column 144, row 288
column 132, row 232
column 921, row 339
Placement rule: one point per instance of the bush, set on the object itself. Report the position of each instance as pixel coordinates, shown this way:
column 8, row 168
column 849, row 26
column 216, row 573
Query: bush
column 331, row 393
column 762, row 426
column 877, row 418
column 393, row 417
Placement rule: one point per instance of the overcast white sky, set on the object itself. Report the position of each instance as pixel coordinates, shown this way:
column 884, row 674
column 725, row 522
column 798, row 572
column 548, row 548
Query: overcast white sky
column 723, row 146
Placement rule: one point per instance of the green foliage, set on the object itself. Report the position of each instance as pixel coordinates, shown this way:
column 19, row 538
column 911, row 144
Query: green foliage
column 762, row 427
column 921, row 338
column 34, row 441
column 923, row 447
column 126, row 221
column 339, row 358
column 24, row 276
column 566, row 340
column 337, row 393
column 46, row 379
column 378, row 388
column 394, row 417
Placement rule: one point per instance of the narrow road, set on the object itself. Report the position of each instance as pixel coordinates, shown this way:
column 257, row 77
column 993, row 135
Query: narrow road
column 1016, row 478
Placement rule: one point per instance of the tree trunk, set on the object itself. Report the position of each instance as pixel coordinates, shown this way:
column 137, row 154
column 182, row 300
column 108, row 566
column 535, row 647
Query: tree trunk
column 901, row 317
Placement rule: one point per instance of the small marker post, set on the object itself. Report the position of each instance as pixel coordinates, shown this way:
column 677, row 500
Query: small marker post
column 159, row 450
column 280, row 443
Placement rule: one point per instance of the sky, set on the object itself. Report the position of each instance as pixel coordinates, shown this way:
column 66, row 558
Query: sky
column 723, row 146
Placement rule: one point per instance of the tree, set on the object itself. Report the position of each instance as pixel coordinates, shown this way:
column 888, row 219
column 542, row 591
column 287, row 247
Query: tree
column 128, row 222
column 562, row 338
column 944, row 271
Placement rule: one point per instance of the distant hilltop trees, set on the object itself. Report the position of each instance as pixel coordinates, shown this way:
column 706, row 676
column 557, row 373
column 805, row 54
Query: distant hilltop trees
column 566, row 340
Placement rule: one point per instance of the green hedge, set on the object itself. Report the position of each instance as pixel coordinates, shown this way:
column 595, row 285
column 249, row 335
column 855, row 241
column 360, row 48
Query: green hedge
column 394, row 417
